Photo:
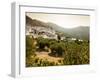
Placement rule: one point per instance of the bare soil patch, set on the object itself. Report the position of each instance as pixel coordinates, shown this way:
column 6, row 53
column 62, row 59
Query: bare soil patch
column 44, row 55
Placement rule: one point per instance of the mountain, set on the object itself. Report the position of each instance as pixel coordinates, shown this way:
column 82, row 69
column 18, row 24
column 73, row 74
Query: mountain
column 35, row 22
column 81, row 32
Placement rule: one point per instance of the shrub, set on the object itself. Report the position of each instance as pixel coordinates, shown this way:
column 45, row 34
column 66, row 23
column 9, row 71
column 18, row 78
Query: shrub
column 30, row 47
column 76, row 54
column 57, row 48
column 30, row 51
column 42, row 43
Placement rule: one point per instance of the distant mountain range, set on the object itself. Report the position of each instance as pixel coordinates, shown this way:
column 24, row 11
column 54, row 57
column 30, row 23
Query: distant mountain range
column 81, row 32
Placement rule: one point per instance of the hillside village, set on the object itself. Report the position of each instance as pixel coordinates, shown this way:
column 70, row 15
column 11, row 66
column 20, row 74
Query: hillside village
column 38, row 31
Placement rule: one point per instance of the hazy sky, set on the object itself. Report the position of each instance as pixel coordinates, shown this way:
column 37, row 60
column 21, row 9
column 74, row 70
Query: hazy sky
column 66, row 21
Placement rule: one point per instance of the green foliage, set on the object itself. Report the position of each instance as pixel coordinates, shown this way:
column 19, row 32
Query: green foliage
column 73, row 53
column 36, row 62
column 77, row 41
column 52, row 41
column 76, row 54
column 58, row 48
column 30, row 47
column 30, row 50
column 59, row 37
column 42, row 43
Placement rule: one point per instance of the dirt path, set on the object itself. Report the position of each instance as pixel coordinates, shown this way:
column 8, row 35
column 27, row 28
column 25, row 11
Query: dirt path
column 44, row 55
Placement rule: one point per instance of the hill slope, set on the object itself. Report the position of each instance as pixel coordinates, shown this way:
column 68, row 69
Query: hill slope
column 81, row 32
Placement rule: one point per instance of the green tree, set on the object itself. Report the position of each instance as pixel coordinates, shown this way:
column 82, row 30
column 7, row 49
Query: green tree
column 30, row 47
column 42, row 43
column 58, row 48
column 30, row 51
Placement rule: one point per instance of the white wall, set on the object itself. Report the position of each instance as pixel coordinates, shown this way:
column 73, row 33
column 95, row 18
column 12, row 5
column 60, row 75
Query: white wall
column 5, row 39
